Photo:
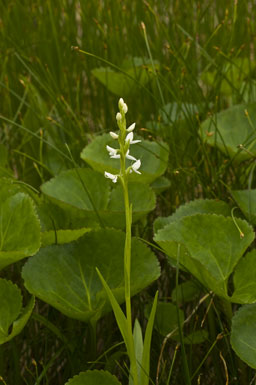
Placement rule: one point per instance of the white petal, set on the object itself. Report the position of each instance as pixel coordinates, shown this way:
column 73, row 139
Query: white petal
column 136, row 166
column 135, row 141
column 129, row 137
column 131, row 127
column 112, row 151
column 130, row 156
column 115, row 156
column 111, row 176
column 113, row 135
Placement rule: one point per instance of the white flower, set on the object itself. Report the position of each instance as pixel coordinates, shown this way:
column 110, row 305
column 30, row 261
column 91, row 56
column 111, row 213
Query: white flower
column 135, row 166
column 129, row 156
column 118, row 116
column 129, row 138
column 125, row 108
column 113, row 152
column 131, row 127
column 122, row 106
column 111, row 176
column 120, row 103
column 113, row 135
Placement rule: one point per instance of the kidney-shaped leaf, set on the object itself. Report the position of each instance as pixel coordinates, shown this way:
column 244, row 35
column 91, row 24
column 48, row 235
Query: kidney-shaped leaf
column 65, row 275
column 94, row 377
column 244, row 279
column 243, row 339
column 11, row 312
column 230, row 128
column 19, row 229
column 153, row 156
column 209, row 239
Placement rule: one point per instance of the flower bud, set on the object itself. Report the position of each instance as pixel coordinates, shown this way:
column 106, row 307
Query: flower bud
column 118, row 116
column 131, row 127
column 113, row 135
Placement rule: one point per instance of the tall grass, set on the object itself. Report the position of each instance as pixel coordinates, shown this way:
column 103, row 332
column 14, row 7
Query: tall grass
column 50, row 97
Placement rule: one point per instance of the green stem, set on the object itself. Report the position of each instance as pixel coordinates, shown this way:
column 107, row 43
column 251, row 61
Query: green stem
column 127, row 255
column 127, row 270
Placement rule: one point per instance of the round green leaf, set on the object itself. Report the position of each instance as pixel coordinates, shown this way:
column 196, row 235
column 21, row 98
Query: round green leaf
column 230, row 128
column 211, row 246
column 154, row 158
column 199, row 206
column 94, row 377
column 243, row 339
column 244, row 279
column 65, row 275
column 19, row 229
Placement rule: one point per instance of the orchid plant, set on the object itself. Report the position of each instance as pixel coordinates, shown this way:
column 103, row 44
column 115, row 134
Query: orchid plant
column 139, row 363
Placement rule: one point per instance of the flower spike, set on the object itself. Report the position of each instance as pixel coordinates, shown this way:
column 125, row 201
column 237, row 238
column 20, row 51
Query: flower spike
column 125, row 139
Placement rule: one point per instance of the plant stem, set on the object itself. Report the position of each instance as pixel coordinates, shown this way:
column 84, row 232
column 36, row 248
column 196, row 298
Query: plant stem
column 127, row 256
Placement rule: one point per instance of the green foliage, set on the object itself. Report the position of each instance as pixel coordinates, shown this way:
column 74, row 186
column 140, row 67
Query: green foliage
column 12, row 313
column 19, row 229
column 231, row 128
column 65, row 275
column 244, row 279
column 93, row 377
column 211, row 247
column 242, row 332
